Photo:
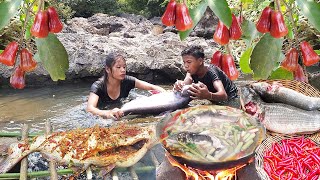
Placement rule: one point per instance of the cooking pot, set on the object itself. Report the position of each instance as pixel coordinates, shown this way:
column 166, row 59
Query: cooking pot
column 226, row 113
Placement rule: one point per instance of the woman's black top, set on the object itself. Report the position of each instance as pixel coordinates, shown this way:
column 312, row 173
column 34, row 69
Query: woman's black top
column 213, row 74
column 100, row 89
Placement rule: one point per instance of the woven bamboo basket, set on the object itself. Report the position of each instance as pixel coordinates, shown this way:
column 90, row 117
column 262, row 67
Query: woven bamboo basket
column 272, row 137
column 266, row 145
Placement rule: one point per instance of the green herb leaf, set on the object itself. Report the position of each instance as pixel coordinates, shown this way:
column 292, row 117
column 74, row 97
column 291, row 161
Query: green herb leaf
column 53, row 56
column 8, row 10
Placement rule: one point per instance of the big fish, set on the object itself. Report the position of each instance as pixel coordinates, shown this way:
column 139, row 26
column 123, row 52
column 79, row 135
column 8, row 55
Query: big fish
column 278, row 117
column 276, row 93
column 119, row 146
column 158, row 103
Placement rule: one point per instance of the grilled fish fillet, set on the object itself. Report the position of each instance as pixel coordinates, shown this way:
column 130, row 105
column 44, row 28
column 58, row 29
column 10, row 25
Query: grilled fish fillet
column 120, row 146
column 277, row 93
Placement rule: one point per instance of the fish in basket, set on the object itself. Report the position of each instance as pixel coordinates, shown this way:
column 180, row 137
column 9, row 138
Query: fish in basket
column 279, row 117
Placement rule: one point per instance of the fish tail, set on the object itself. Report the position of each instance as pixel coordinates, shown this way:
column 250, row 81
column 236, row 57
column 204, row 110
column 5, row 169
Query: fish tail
column 5, row 165
column 11, row 155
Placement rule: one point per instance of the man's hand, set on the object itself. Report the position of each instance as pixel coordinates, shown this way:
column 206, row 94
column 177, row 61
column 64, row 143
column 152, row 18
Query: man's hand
column 178, row 85
column 199, row 91
column 115, row 113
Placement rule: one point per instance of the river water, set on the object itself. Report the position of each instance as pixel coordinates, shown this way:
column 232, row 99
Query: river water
column 36, row 105
column 63, row 105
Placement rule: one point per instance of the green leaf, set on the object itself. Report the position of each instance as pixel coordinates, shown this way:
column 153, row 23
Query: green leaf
column 37, row 57
column 317, row 51
column 249, row 32
column 263, row 4
column 27, row 34
column 196, row 14
column 311, row 10
column 247, row 1
column 8, row 9
column 281, row 73
column 1, row 51
column 221, row 10
column 290, row 33
column 53, row 56
column 265, row 56
column 245, row 61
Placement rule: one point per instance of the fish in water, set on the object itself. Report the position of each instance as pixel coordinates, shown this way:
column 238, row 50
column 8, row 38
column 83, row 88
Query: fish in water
column 279, row 94
column 278, row 117
column 118, row 146
column 158, row 103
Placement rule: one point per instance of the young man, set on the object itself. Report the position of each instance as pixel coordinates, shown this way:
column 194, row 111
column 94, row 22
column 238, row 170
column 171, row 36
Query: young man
column 208, row 82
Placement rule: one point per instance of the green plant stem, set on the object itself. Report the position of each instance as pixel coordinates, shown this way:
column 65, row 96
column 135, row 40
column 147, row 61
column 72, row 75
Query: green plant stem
column 278, row 5
column 24, row 25
column 41, row 4
column 293, row 24
column 34, row 174
column 228, row 48
column 16, row 134
column 142, row 169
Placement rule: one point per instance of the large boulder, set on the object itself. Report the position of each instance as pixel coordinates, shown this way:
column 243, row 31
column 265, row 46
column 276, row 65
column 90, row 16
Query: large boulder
column 150, row 54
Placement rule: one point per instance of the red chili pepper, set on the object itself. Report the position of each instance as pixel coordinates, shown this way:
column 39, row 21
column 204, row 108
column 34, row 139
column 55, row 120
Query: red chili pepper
column 290, row 175
column 315, row 157
column 277, row 148
column 312, row 174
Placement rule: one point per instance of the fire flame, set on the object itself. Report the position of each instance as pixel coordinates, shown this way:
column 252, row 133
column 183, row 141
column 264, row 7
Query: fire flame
column 197, row 174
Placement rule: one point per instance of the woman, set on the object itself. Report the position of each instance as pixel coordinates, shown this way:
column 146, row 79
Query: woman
column 209, row 82
column 113, row 86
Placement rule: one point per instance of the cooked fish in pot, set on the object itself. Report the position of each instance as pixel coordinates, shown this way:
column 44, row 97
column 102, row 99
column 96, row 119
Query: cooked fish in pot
column 210, row 135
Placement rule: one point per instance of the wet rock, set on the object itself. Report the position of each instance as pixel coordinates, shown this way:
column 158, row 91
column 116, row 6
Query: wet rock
column 151, row 55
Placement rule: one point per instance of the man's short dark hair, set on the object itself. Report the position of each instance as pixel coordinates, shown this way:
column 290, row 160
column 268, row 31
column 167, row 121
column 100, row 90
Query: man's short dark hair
column 195, row 51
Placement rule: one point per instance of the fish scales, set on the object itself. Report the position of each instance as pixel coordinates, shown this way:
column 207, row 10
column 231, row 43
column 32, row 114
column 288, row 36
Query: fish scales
column 279, row 117
column 276, row 93
column 158, row 103
column 294, row 120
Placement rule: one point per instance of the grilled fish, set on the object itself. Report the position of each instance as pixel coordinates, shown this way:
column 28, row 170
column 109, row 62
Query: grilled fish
column 278, row 117
column 119, row 146
column 277, row 93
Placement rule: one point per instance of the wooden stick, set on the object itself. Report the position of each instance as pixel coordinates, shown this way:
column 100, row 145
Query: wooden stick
column 52, row 163
column 24, row 161
column 133, row 173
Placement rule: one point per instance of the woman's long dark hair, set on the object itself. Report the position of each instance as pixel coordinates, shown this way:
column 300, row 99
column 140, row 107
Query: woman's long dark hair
column 110, row 61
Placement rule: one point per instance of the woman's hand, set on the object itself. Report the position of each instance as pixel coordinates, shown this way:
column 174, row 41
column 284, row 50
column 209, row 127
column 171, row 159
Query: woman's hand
column 199, row 91
column 115, row 113
column 178, row 85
